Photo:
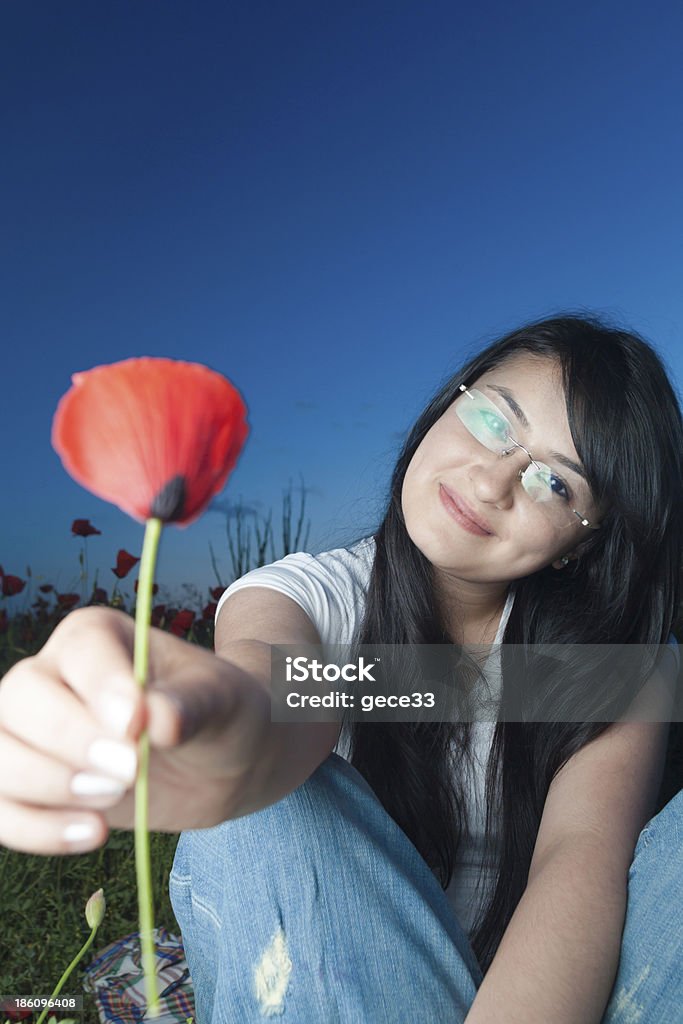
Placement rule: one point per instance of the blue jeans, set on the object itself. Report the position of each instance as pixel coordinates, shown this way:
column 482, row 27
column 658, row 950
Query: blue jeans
column 319, row 909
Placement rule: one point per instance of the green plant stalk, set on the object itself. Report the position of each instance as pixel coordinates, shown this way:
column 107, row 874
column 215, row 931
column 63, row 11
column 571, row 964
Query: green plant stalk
column 67, row 972
column 143, row 616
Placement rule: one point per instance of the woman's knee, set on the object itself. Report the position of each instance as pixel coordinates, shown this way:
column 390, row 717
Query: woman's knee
column 278, row 844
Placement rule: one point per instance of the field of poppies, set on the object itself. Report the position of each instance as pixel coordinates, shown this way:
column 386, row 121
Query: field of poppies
column 43, row 898
column 23, row 631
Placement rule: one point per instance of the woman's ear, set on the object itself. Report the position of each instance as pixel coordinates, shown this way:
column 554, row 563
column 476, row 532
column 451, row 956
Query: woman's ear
column 574, row 554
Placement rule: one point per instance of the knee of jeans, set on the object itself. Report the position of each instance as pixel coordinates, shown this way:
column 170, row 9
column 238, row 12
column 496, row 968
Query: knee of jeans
column 256, row 844
column 263, row 868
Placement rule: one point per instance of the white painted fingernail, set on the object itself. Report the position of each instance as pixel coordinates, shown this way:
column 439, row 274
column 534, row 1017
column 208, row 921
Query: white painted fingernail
column 78, row 832
column 116, row 711
column 85, row 784
column 113, row 758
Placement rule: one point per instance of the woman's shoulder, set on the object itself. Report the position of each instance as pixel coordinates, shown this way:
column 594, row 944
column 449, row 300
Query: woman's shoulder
column 329, row 586
column 355, row 560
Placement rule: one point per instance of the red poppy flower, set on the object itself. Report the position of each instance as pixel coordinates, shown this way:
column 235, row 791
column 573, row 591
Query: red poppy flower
column 210, row 610
column 155, row 588
column 124, row 563
column 67, row 601
column 12, row 585
column 99, row 596
column 83, row 528
column 46, row 588
column 182, row 622
column 157, row 437
column 216, row 592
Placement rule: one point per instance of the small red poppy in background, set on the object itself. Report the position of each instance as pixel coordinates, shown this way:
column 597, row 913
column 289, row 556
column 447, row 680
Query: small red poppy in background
column 46, row 588
column 124, row 563
column 68, row 601
column 99, row 596
column 210, row 610
column 155, row 588
column 83, row 528
column 12, row 585
column 216, row 592
column 157, row 437
column 181, row 622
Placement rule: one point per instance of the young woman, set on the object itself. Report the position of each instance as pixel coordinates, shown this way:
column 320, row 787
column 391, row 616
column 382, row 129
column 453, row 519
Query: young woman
column 536, row 501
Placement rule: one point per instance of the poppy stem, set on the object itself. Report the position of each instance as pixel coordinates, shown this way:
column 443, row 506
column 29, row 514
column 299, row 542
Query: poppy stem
column 143, row 614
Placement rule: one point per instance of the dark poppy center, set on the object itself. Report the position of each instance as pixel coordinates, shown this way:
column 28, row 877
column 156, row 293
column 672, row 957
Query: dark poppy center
column 169, row 503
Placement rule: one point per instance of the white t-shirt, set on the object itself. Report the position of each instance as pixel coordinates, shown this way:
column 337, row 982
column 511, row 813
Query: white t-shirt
column 331, row 588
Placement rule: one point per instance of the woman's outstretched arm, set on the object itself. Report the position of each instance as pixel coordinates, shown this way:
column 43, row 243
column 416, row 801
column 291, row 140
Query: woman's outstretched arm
column 71, row 717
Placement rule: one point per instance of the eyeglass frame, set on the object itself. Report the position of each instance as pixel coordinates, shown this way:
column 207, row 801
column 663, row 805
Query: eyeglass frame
column 465, row 390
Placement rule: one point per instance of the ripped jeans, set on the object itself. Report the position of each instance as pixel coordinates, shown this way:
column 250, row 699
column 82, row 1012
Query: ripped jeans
column 319, row 910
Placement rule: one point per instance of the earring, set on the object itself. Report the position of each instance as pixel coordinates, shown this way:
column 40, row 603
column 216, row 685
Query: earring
column 564, row 560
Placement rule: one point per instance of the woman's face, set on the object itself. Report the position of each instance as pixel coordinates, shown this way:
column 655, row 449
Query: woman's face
column 452, row 465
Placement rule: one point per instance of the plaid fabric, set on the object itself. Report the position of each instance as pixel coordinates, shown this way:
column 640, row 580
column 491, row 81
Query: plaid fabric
column 116, row 980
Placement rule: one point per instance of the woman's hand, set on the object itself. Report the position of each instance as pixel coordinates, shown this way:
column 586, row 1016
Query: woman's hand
column 76, row 702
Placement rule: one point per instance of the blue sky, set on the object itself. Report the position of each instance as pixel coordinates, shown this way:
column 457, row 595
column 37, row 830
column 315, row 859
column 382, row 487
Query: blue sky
column 332, row 204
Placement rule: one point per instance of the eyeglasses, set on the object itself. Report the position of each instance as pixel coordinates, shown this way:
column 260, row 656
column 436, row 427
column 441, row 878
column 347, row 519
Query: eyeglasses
column 488, row 425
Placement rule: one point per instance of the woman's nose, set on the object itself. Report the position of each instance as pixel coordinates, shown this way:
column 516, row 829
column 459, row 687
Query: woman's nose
column 494, row 480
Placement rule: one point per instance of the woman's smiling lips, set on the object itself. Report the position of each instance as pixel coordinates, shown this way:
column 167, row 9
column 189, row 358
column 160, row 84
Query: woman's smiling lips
column 463, row 514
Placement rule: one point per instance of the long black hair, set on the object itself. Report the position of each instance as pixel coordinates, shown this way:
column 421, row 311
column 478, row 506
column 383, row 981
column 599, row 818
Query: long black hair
column 625, row 421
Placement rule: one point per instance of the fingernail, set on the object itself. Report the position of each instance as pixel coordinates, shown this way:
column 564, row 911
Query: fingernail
column 116, row 712
column 79, row 832
column 113, row 758
column 85, row 784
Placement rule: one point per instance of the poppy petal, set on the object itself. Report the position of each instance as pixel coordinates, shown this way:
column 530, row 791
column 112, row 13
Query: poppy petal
column 157, row 437
column 182, row 621
column 124, row 563
column 83, row 528
column 12, row 585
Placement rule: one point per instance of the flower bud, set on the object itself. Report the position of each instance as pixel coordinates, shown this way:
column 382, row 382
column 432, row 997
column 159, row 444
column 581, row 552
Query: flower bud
column 95, row 908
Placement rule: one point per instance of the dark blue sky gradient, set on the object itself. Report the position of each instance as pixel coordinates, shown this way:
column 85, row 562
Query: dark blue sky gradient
column 331, row 203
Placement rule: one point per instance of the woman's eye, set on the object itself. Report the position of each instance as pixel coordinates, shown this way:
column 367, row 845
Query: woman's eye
column 559, row 487
column 494, row 424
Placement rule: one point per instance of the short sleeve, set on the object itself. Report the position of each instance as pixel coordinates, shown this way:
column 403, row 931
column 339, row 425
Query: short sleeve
column 330, row 587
